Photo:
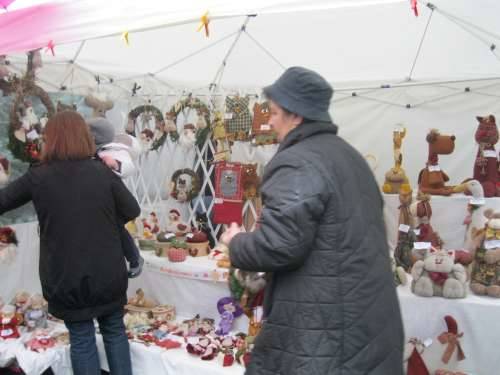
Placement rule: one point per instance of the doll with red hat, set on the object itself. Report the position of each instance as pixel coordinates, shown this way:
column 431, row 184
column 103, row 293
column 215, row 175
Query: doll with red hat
column 8, row 323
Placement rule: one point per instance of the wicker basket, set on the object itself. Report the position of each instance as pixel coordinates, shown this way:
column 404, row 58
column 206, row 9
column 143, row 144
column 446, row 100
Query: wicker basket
column 164, row 313
column 176, row 255
column 198, row 249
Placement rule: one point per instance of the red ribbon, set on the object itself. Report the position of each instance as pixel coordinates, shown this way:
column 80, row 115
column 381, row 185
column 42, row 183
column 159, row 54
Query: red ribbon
column 452, row 340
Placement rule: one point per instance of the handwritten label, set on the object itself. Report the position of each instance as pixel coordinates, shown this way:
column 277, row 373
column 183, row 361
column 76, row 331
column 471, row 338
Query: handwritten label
column 265, row 127
column 477, row 201
column 228, row 116
column 421, row 245
column 218, row 200
column 404, row 228
column 434, row 168
column 489, row 154
column 491, row 244
column 417, row 232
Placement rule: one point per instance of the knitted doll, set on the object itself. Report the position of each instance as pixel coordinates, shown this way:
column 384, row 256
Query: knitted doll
column 486, row 163
column 8, row 323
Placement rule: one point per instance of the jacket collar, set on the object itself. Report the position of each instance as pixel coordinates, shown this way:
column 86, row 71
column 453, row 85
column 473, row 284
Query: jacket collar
column 306, row 130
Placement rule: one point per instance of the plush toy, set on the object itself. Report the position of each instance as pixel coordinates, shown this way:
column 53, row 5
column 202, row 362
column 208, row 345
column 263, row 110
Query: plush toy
column 40, row 341
column 4, row 170
column 475, row 219
column 431, row 180
column 485, row 277
column 441, row 356
column 250, row 181
column 399, row 274
column 239, row 120
column 99, row 103
column 175, row 224
column 226, row 350
column 8, row 323
column 229, row 310
column 406, row 235
column 188, row 328
column 486, row 163
column 140, row 301
column 8, row 245
column 21, row 302
column 244, row 345
column 36, row 315
column 438, row 275
column 262, row 132
column 187, row 138
column 137, row 321
column 207, row 327
column 395, row 178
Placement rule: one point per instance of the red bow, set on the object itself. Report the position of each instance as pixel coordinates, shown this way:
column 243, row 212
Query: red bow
column 438, row 277
column 414, row 7
column 452, row 340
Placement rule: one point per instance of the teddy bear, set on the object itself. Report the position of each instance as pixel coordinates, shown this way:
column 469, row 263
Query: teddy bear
column 486, row 163
column 431, row 179
column 485, row 276
column 249, row 181
column 396, row 178
column 439, row 275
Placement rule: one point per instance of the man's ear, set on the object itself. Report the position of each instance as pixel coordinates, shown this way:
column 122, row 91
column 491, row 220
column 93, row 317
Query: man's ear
column 297, row 120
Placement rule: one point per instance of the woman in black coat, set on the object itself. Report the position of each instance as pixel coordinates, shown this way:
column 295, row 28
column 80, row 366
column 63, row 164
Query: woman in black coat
column 80, row 204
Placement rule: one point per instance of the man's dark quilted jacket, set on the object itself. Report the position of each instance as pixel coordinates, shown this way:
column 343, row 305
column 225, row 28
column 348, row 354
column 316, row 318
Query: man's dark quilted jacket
column 331, row 304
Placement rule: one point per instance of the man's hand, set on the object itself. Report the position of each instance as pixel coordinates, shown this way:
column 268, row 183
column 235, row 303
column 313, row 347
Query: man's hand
column 230, row 232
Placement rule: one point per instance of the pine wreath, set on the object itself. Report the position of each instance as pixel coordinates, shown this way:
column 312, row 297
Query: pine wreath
column 157, row 143
column 175, row 191
column 29, row 150
column 201, row 109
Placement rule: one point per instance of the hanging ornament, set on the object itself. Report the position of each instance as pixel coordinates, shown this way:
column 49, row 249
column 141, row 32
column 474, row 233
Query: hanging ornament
column 204, row 21
column 125, row 38
column 414, row 6
column 50, row 47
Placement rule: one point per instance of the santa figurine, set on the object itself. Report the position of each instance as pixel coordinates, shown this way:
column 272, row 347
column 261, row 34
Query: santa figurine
column 187, row 138
column 175, row 225
column 8, row 323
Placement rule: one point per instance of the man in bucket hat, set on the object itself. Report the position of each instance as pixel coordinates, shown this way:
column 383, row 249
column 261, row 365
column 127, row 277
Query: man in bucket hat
column 330, row 304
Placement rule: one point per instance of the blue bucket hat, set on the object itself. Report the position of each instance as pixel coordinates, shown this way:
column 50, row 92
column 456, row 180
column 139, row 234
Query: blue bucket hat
column 302, row 91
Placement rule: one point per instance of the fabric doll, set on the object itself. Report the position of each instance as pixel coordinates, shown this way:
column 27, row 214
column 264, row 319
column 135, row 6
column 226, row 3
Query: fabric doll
column 21, row 302
column 187, row 138
column 36, row 315
column 8, row 323
column 41, row 341
column 8, row 245
column 229, row 310
column 118, row 153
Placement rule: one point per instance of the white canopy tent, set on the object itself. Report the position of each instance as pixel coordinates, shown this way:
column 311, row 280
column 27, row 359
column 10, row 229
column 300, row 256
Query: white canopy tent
column 443, row 67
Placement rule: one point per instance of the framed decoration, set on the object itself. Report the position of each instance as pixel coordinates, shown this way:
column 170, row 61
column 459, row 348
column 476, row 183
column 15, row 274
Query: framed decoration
column 179, row 187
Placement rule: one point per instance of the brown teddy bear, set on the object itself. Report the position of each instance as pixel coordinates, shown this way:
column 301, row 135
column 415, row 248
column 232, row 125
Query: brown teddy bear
column 431, row 179
column 486, row 163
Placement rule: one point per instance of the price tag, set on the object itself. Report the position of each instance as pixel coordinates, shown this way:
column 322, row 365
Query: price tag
column 417, row 232
column 421, row 245
column 404, row 228
column 265, row 127
column 6, row 332
column 491, row 244
column 477, row 201
column 427, row 343
column 489, row 154
column 218, row 200
column 434, row 168
column 228, row 116
column 189, row 235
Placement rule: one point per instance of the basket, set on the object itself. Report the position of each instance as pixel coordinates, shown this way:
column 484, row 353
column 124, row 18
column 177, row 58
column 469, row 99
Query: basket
column 176, row 255
column 147, row 245
column 198, row 249
column 164, row 313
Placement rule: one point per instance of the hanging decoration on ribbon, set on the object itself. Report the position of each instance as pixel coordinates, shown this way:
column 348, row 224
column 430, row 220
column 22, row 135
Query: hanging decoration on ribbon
column 50, row 47
column 125, row 38
column 204, row 21
column 414, row 6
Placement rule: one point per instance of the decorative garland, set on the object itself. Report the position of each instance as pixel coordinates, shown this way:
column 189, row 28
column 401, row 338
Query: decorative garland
column 28, row 151
column 157, row 143
column 201, row 109
column 189, row 194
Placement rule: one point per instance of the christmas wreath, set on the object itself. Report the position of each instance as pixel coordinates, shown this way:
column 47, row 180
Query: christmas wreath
column 179, row 188
column 203, row 123
column 158, row 141
column 25, row 127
